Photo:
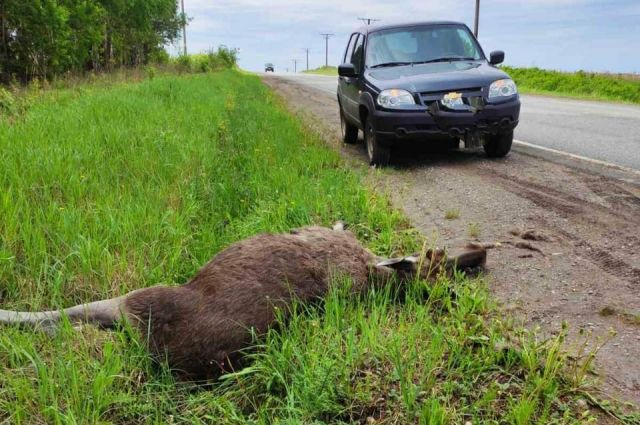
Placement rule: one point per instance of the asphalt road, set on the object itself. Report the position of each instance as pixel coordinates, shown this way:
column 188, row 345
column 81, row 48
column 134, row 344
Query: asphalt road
column 602, row 131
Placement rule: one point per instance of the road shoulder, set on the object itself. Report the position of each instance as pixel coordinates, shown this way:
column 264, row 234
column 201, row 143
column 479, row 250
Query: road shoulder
column 582, row 267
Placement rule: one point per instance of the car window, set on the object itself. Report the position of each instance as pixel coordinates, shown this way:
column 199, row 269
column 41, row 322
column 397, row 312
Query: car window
column 403, row 43
column 468, row 46
column 358, row 53
column 347, row 53
column 421, row 43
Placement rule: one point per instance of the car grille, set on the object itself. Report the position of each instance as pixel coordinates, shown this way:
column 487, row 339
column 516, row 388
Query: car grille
column 469, row 95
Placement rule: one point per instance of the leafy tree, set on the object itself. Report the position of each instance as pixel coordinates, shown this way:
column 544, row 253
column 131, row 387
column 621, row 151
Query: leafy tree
column 44, row 38
column 86, row 20
column 38, row 37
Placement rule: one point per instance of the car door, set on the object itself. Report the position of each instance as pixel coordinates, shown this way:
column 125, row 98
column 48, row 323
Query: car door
column 346, row 84
column 355, row 84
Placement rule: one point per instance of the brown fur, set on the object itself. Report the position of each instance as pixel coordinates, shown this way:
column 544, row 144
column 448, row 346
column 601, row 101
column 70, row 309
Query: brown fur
column 202, row 326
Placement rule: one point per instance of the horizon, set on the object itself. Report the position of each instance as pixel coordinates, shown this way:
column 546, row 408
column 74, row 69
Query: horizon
column 563, row 35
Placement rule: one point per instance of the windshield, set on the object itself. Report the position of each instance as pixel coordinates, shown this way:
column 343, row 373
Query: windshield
column 402, row 46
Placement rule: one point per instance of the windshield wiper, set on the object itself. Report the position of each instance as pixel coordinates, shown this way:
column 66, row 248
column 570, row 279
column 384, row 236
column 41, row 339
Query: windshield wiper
column 382, row 65
column 443, row 59
column 446, row 59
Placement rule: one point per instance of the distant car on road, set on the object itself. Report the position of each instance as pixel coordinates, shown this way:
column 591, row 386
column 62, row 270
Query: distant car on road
column 424, row 81
column 268, row 67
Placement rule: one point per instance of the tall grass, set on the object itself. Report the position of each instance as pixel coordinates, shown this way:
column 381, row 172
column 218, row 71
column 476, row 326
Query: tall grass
column 323, row 70
column 123, row 187
column 577, row 84
column 213, row 60
column 16, row 98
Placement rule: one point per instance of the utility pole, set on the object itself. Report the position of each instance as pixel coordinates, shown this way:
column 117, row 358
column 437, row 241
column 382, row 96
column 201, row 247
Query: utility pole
column 326, row 47
column 295, row 66
column 306, row 49
column 368, row 20
column 184, row 29
column 475, row 25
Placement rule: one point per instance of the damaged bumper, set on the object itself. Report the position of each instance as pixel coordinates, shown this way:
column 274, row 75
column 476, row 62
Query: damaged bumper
column 437, row 121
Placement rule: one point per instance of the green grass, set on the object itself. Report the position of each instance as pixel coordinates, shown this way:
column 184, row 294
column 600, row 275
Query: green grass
column 452, row 214
column 612, row 87
column 323, row 70
column 107, row 189
column 473, row 230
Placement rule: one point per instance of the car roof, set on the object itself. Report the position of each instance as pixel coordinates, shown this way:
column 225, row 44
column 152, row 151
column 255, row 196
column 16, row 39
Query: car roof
column 378, row 27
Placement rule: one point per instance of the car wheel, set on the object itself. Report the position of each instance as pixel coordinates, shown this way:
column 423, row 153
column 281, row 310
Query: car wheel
column 499, row 145
column 378, row 155
column 349, row 132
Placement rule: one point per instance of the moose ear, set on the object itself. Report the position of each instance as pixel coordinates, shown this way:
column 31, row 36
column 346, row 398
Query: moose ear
column 407, row 264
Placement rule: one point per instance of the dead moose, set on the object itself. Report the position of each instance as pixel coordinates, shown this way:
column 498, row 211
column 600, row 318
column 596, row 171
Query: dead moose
column 202, row 327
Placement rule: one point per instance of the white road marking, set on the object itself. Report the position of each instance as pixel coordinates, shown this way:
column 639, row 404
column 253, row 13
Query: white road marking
column 578, row 157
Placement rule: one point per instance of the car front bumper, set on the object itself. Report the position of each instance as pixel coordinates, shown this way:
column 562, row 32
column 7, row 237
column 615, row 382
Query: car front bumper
column 434, row 121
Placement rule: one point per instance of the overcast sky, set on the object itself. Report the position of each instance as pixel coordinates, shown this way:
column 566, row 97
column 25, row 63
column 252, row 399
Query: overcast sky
column 595, row 35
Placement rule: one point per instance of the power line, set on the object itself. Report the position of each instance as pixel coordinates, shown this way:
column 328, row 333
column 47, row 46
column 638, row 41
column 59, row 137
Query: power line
column 475, row 26
column 184, row 29
column 368, row 20
column 306, row 49
column 326, row 47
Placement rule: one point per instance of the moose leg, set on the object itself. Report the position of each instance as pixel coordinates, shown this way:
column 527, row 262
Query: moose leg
column 104, row 313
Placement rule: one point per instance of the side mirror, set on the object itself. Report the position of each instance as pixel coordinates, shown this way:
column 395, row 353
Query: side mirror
column 347, row 70
column 496, row 57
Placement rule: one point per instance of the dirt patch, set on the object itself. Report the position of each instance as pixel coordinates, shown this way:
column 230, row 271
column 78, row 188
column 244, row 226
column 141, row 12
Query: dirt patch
column 581, row 252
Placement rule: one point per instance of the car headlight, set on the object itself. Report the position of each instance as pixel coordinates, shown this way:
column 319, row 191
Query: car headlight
column 502, row 88
column 395, row 99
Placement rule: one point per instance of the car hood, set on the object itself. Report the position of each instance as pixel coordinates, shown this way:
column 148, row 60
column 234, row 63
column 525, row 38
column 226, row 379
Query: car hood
column 439, row 76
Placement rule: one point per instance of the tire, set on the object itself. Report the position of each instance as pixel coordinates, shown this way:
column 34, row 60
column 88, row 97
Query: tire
column 378, row 155
column 349, row 132
column 499, row 145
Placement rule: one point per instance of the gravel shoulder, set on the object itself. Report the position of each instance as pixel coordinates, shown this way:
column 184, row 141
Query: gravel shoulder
column 580, row 266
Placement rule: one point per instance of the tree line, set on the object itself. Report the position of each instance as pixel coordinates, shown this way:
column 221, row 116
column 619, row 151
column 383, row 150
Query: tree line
column 45, row 38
